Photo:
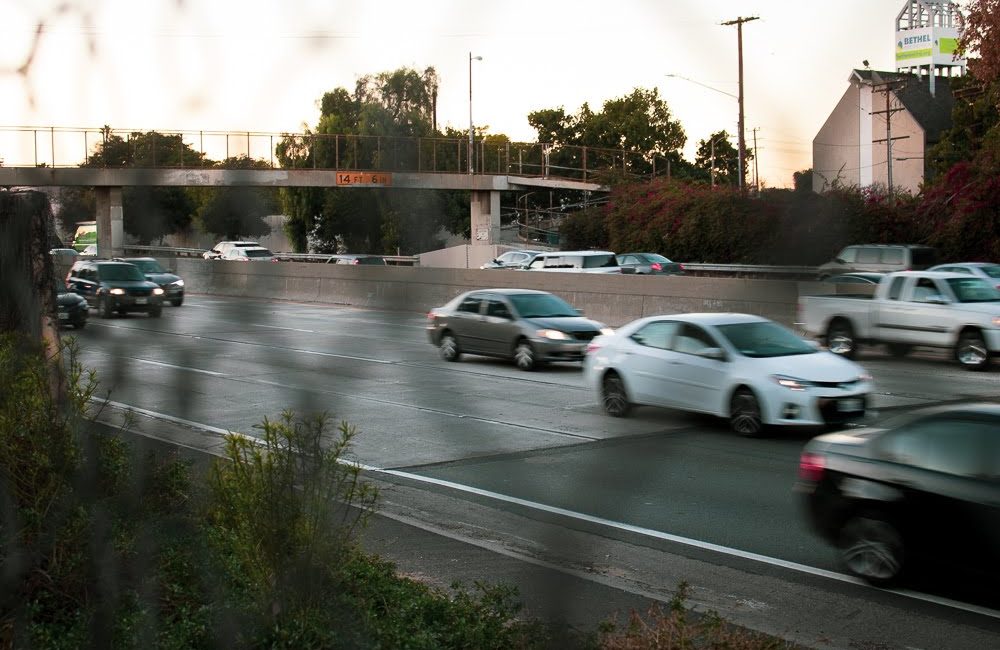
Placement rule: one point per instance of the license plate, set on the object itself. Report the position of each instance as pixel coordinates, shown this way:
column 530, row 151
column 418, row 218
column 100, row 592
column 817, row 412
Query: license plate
column 851, row 405
column 64, row 315
column 140, row 301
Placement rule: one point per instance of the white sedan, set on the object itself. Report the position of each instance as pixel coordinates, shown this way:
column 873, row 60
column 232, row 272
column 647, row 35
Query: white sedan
column 748, row 369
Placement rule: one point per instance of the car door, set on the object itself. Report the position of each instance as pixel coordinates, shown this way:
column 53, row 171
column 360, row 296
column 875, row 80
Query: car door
column 466, row 321
column 498, row 328
column 645, row 359
column 926, row 318
column 948, row 470
column 630, row 262
column 697, row 380
column 891, row 322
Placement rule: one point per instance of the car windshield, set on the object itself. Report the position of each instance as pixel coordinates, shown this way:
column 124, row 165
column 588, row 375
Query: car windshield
column 541, row 305
column 258, row 252
column 148, row 266
column 764, row 339
column 991, row 271
column 973, row 290
column 120, row 272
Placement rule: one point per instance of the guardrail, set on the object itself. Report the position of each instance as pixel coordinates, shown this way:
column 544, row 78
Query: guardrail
column 169, row 251
column 751, row 271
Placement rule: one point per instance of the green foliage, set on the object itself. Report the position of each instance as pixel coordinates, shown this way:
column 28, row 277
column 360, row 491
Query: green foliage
column 150, row 213
column 726, row 161
column 287, row 509
column 358, row 131
column 235, row 211
column 76, row 204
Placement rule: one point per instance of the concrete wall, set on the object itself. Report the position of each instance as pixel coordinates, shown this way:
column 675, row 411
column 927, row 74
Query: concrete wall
column 836, row 147
column 612, row 299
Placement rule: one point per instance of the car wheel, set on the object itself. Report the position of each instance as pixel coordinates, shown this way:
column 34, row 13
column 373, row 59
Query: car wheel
column 872, row 549
column 971, row 352
column 899, row 350
column 614, row 399
column 745, row 417
column 155, row 313
column 106, row 309
column 524, row 356
column 449, row 347
column 840, row 339
column 177, row 302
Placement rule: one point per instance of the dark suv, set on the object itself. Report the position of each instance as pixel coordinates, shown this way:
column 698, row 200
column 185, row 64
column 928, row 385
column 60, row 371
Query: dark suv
column 925, row 490
column 171, row 283
column 115, row 287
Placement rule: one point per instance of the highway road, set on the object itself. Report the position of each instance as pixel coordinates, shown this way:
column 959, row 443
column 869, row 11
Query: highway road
column 535, row 445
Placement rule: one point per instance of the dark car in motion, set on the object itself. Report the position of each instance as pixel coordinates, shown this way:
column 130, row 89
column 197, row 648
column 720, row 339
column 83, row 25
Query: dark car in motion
column 71, row 308
column 356, row 258
column 115, row 287
column 171, row 283
column 648, row 264
column 531, row 327
column 924, row 491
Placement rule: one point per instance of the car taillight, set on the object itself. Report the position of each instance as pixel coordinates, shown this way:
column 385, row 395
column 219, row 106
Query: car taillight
column 431, row 316
column 811, row 467
column 656, row 266
column 356, row 261
column 680, row 267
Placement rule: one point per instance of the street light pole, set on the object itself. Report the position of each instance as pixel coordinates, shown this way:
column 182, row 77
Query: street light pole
column 471, row 144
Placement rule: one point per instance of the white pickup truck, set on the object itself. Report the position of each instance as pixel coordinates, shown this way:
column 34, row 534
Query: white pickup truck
column 944, row 310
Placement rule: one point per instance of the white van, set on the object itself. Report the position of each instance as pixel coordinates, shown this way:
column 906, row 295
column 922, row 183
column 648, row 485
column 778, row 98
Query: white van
column 576, row 262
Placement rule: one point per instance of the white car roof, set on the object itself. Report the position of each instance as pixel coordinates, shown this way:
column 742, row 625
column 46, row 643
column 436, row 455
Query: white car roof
column 713, row 319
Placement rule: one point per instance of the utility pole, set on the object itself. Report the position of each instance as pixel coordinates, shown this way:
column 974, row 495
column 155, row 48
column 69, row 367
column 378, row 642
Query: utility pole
column 756, row 175
column 742, row 138
column 888, row 87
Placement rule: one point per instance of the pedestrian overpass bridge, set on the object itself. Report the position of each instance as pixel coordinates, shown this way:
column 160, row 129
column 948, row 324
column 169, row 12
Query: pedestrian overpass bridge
column 51, row 156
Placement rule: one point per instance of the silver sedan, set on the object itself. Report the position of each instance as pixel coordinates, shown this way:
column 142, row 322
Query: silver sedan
column 530, row 327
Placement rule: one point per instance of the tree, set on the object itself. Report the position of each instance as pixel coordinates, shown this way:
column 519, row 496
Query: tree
column 150, row 213
column 981, row 34
column 639, row 123
column 803, row 181
column 398, row 103
column 233, row 212
column 723, row 158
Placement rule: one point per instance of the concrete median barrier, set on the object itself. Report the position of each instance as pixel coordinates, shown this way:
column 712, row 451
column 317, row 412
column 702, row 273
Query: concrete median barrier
column 613, row 299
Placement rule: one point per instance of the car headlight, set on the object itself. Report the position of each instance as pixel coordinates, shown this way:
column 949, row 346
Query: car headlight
column 178, row 283
column 554, row 335
column 791, row 383
column 117, row 292
column 607, row 331
column 865, row 377
column 157, row 291
column 996, row 321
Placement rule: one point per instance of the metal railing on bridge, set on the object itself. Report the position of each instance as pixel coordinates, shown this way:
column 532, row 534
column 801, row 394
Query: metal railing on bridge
column 321, row 258
column 116, row 148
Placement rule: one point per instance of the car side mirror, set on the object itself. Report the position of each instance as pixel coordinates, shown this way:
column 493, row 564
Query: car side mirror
column 579, row 311
column 713, row 353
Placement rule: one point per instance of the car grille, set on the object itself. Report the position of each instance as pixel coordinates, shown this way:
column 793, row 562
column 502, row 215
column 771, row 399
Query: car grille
column 829, row 408
column 844, row 385
column 139, row 292
column 585, row 336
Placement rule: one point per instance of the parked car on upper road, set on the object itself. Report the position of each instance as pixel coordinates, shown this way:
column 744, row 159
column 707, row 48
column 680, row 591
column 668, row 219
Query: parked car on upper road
column 377, row 260
column 249, row 254
column 222, row 247
column 576, row 262
column 511, row 260
column 115, row 287
column 648, row 264
column 71, row 308
column 748, row 369
column 880, row 258
column 929, row 308
column 90, row 250
column 925, row 489
column 985, row 270
column 530, row 327
column 172, row 284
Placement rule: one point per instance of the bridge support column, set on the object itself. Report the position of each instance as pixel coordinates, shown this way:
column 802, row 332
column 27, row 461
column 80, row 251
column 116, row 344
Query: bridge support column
column 485, row 212
column 110, row 227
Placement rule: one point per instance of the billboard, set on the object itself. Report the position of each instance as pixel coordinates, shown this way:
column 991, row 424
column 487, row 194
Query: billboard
column 927, row 46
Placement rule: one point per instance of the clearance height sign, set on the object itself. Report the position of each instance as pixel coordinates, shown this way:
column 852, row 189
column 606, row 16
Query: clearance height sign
column 927, row 46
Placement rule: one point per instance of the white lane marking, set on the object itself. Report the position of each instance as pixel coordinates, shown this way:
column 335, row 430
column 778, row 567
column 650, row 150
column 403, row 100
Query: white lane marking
column 617, row 525
column 176, row 367
column 290, row 329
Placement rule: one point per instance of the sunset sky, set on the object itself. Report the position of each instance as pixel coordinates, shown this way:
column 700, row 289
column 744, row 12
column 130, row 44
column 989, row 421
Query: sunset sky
column 261, row 65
